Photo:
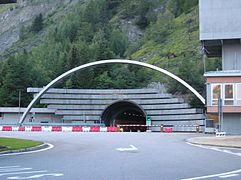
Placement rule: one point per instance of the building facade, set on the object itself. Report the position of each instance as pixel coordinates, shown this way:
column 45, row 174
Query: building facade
column 220, row 35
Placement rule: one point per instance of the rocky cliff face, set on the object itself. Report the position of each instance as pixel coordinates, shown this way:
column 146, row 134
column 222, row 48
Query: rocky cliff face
column 12, row 19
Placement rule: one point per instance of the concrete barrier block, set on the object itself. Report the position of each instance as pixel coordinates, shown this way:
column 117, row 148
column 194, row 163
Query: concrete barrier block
column 46, row 128
column 103, row 129
column 15, row 128
column 86, row 129
column 66, row 129
column 28, row 128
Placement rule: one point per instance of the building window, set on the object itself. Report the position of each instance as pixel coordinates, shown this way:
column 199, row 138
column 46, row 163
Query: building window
column 216, row 93
column 238, row 94
column 228, row 94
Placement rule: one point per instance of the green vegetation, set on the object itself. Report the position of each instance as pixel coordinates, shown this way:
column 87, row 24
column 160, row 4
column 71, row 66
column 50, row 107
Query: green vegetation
column 17, row 144
column 92, row 31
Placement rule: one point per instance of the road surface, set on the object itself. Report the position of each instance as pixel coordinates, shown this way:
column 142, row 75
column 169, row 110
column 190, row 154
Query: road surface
column 119, row 156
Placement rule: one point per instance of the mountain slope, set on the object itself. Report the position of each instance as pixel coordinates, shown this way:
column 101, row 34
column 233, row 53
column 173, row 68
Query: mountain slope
column 159, row 32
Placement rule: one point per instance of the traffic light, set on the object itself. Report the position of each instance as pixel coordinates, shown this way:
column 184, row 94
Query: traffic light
column 7, row 1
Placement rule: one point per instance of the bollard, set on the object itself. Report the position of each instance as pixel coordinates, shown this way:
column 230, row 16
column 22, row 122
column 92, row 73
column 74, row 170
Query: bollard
column 161, row 128
column 197, row 129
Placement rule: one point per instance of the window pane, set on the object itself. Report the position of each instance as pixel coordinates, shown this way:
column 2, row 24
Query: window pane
column 216, row 91
column 228, row 102
column 215, row 102
column 229, row 91
column 238, row 102
column 238, row 91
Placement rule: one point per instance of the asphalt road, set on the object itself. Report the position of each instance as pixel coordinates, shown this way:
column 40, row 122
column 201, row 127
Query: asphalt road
column 119, row 156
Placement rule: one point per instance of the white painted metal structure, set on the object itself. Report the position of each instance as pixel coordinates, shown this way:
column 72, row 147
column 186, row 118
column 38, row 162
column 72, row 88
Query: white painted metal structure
column 112, row 61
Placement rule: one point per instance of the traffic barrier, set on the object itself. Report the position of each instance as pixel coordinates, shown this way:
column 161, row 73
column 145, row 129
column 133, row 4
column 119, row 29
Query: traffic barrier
column 56, row 128
column 220, row 134
column 46, row 128
column 77, row 129
column 59, row 129
column 66, row 129
column 14, row 128
column 28, row 128
column 86, row 129
column 21, row 128
column 94, row 129
column 103, row 129
column 7, row 128
column 111, row 129
column 168, row 130
column 36, row 128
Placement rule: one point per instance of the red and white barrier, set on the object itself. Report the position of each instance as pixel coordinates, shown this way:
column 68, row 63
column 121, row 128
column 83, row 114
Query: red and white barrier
column 46, row 128
column 36, row 128
column 168, row 130
column 103, row 129
column 22, row 128
column 66, row 129
column 77, row 129
column 7, row 128
column 86, row 129
column 58, row 129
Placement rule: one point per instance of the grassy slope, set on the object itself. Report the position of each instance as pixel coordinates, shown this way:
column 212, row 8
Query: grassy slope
column 16, row 144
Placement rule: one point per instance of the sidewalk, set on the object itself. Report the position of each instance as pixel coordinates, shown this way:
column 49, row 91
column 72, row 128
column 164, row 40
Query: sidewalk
column 227, row 141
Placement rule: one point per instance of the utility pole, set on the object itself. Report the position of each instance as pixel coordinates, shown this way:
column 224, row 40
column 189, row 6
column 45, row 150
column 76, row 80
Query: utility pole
column 19, row 103
column 220, row 114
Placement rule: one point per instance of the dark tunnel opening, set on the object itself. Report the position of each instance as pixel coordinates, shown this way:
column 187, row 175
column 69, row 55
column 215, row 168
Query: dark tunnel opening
column 125, row 113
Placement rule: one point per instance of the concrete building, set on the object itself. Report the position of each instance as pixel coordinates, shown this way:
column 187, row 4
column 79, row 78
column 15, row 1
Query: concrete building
column 111, row 107
column 220, row 34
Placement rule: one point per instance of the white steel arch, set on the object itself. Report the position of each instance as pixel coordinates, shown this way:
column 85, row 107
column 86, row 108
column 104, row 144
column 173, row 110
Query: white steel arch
column 111, row 61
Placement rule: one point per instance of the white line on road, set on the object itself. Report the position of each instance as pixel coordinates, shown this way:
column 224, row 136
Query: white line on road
column 37, row 176
column 50, row 146
column 215, row 149
column 214, row 175
column 13, row 169
column 28, row 172
column 5, row 167
column 132, row 148
column 221, row 175
column 230, row 175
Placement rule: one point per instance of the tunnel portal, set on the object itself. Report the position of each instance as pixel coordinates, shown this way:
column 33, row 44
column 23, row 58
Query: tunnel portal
column 125, row 113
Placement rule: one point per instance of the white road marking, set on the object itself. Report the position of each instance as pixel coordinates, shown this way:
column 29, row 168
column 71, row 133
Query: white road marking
column 50, row 146
column 17, row 170
column 27, row 172
column 230, row 175
column 36, row 176
column 216, row 149
column 214, row 175
column 132, row 148
column 14, row 169
column 221, row 175
column 5, row 167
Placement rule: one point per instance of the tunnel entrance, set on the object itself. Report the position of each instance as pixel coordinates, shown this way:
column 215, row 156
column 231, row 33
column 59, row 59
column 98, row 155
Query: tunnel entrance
column 125, row 113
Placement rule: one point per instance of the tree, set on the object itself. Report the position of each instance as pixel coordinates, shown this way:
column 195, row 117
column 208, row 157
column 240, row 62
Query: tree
column 37, row 24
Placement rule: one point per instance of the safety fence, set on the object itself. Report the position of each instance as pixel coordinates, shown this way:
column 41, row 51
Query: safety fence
column 58, row 129
column 119, row 128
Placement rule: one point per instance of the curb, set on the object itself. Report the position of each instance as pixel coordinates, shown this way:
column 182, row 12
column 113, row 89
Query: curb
column 212, row 145
column 39, row 147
